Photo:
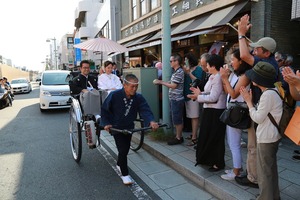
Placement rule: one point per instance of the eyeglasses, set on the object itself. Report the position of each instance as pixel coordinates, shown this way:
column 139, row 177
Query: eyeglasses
column 173, row 61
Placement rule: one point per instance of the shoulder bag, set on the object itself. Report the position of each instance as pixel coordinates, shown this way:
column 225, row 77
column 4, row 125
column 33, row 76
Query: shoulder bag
column 236, row 115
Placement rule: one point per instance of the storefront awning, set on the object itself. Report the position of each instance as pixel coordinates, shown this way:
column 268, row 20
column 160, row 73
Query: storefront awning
column 145, row 45
column 210, row 23
column 134, row 42
column 214, row 19
column 218, row 30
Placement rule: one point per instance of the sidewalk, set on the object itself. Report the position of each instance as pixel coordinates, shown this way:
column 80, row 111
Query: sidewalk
column 181, row 158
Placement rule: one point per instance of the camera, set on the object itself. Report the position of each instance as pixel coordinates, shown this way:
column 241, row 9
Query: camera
column 196, row 83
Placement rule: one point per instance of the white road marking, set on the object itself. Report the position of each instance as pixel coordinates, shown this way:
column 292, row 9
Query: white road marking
column 135, row 188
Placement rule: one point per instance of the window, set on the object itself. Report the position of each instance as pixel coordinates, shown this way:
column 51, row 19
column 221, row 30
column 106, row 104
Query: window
column 143, row 7
column 55, row 79
column 70, row 40
column 134, row 9
column 104, row 31
column 295, row 14
column 154, row 4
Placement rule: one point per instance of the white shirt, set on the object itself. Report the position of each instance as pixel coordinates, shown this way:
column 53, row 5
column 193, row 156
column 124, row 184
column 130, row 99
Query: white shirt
column 266, row 131
column 233, row 79
column 108, row 82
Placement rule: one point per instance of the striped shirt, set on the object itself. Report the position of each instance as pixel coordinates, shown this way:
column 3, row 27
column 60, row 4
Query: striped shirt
column 178, row 78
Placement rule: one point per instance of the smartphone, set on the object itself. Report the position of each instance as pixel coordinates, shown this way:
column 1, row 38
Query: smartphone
column 187, row 65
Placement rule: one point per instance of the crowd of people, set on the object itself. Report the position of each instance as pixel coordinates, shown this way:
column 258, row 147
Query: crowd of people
column 250, row 78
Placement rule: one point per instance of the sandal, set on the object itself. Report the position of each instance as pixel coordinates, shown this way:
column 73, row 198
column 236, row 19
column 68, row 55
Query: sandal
column 192, row 142
column 215, row 168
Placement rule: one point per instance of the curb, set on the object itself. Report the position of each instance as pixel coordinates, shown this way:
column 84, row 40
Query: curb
column 210, row 182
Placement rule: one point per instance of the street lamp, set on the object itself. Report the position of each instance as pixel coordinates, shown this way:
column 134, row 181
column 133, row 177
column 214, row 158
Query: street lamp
column 55, row 55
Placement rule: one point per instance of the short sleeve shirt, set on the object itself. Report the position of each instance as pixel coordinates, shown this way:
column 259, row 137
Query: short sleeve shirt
column 187, row 81
column 270, row 60
column 178, row 78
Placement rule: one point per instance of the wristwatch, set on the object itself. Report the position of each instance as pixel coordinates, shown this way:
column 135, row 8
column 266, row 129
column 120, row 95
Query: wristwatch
column 241, row 37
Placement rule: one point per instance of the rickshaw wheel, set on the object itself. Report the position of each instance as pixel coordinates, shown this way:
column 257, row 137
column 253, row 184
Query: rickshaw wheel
column 75, row 136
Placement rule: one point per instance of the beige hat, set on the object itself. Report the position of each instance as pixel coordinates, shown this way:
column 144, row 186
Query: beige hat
column 265, row 42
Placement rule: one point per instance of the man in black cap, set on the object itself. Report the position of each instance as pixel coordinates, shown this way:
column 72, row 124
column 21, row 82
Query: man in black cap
column 262, row 75
column 263, row 51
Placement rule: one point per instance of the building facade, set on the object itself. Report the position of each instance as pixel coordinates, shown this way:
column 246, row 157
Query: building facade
column 197, row 26
column 203, row 26
column 95, row 18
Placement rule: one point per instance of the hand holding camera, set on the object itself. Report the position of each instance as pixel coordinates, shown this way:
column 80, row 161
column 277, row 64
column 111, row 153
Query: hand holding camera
column 196, row 83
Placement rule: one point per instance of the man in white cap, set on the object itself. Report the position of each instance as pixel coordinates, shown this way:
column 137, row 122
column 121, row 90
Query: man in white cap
column 263, row 51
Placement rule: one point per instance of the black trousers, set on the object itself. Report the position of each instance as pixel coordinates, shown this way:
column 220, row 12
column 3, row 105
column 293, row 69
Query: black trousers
column 123, row 145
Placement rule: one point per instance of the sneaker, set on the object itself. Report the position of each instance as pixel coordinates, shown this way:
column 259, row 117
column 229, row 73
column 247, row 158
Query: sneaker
column 228, row 171
column 228, row 176
column 175, row 141
column 127, row 180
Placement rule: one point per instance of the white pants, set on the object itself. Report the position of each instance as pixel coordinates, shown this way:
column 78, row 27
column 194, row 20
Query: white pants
column 234, row 142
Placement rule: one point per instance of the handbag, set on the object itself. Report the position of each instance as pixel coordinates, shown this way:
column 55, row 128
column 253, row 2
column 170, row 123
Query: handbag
column 236, row 116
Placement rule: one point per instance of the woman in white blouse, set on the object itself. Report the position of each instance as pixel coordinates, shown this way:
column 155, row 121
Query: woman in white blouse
column 108, row 81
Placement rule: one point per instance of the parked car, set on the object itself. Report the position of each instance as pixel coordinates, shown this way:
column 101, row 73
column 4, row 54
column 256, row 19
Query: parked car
column 54, row 90
column 20, row 85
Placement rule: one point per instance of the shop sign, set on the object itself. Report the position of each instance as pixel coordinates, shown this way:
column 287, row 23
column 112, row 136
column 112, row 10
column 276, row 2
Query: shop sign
column 176, row 10
column 150, row 21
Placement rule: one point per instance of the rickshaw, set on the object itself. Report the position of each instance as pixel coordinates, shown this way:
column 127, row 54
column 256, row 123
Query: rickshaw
column 89, row 124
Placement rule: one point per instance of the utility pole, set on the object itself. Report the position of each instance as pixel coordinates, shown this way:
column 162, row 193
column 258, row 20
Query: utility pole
column 55, row 51
column 166, row 49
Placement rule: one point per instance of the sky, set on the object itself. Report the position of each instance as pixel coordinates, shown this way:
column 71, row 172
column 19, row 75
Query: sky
column 25, row 25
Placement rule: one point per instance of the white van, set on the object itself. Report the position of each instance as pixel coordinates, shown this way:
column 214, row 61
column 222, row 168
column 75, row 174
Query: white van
column 54, row 90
